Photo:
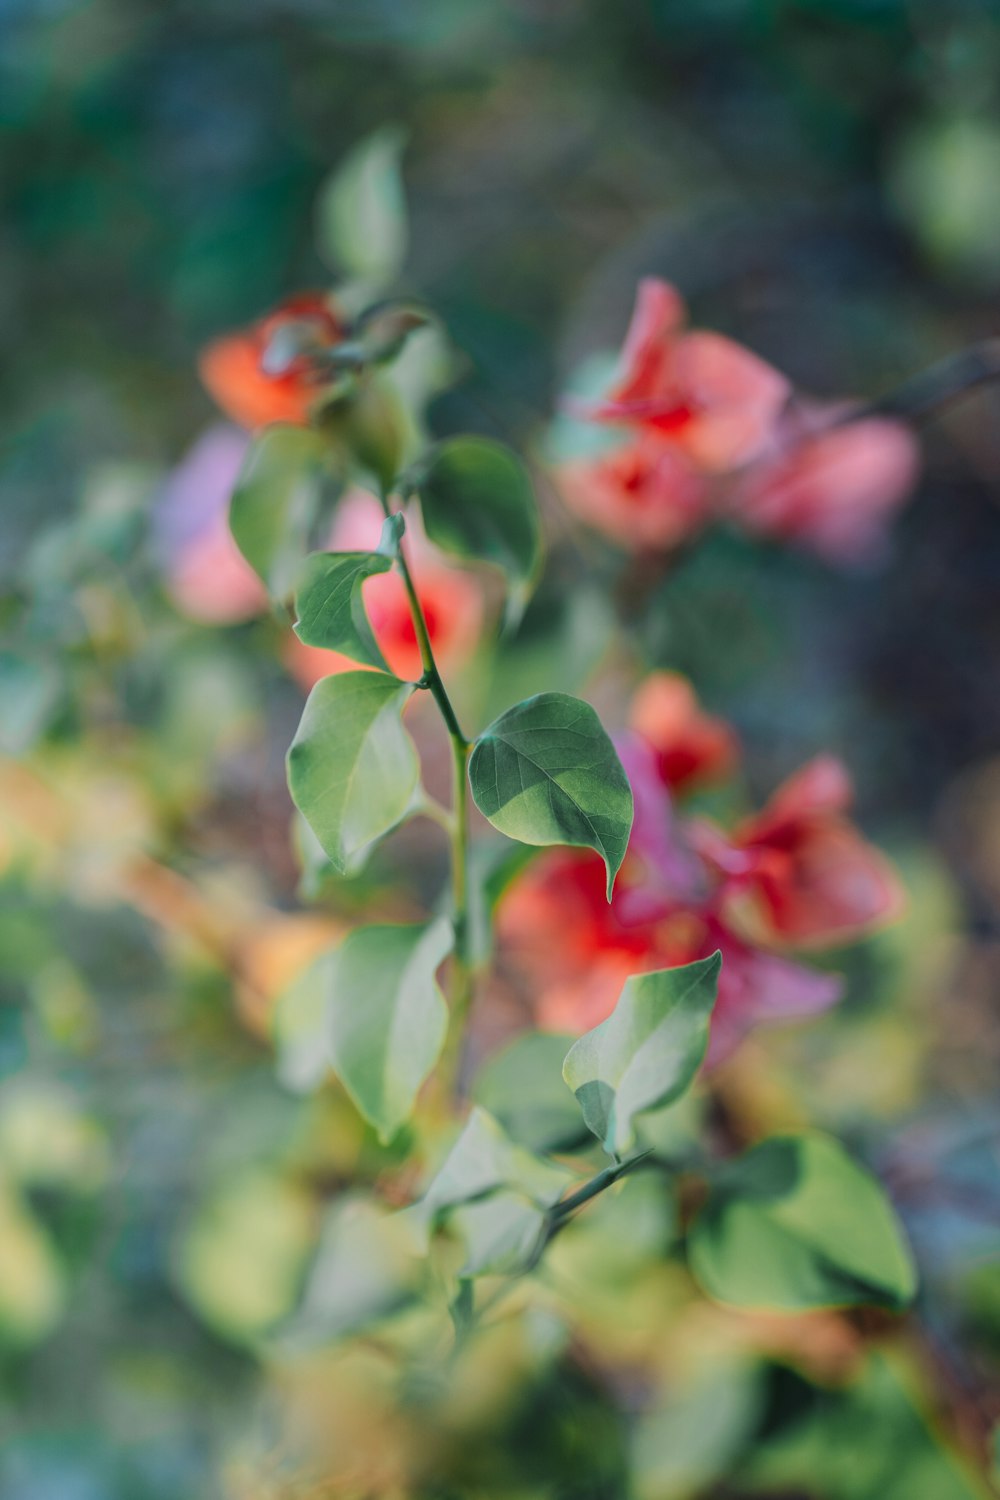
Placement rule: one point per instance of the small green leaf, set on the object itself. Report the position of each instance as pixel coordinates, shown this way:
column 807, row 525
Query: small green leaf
column 484, row 1161
column 478, row 504
column 795, row 1223
column 329, row 602
column 501, row 1234
column 276, row 501
column 366, row 1269
column 522, row 1087
column 646, row 1053
column 352, row 767
column 386, row 1018
column 546, row 772
column 362, row 210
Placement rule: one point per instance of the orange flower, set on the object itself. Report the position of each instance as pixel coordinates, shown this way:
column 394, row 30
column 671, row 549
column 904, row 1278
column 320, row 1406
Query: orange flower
column 715, row 401
column 832, row 491
column 234, row 369
column 690, row 745
column 643, row 495
column 451, row 601
column 800, row 872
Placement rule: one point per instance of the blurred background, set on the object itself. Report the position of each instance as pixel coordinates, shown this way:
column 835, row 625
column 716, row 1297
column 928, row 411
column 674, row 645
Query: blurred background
column 820, row 179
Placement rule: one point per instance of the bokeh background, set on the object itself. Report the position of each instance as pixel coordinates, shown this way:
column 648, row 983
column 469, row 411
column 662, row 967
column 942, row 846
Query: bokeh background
column 820, row 178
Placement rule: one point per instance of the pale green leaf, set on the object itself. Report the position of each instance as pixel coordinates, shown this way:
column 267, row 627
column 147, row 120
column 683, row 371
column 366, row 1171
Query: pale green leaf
column 329, row 602
column 366, row 1269
column 362, row 210
column 276, row 501
column 546, row 772
column 795, row 1223
column 501, row 1234
column 484, row 1161
column 522, row 1087
column 352, row 767
column 478, row 505
column 646, row 1053
column 386, row 1017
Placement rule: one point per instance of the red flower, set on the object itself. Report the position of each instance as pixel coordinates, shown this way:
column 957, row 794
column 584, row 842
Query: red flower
column 691, row 746
column 235, row 369
column 715, row 401
column 666, row 911
column 451, row 601
column 832, row 491
column 645, row 495
column 799, row 872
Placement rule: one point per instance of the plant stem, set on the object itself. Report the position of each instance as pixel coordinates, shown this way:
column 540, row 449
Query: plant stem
column 461, row 976
column 943, row 382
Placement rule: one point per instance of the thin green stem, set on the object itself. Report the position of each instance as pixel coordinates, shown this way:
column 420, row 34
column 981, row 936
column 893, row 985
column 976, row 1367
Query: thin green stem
column 461, row 979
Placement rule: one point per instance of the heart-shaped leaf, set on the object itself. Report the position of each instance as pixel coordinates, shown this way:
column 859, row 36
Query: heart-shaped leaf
column 478, row 505
column 329, row 602
column 795, row 1223
column 386, row 1017
column 546, row 772
column 275, row 502
column 646, row 1053
column 352, row 767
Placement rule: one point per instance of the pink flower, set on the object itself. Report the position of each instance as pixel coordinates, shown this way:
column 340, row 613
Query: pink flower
column 691, row 746
column 799, row 872
column 664, row 912
column 831, row 491
column 645, row 495
column 451, row 601
column 206, row 575
column 713, row 400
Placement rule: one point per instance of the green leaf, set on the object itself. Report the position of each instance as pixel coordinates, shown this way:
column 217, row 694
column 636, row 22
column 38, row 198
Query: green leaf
column 362, row 210
column 386, row 1018
column 501, row 1234
column 546, row 772
column 352, row 767
column 647, row 1051
column 795, row 1223
column 366, row 1269
column 276, row 501
column 484, row 1161
column 522, row 1087
column 329, row 603
column 478, row 504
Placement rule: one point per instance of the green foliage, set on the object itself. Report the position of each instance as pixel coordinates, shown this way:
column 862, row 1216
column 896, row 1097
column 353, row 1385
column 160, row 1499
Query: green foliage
column 352, row 767
column 385, row 1017
column 522, row 1087
column 545, row 772
column 361, row 219
column 795, row 1224
column 478, row 505
column 329, row 603
column 502, row 1233
column 365, row 1270
column 647, row 1051
column 482, row 1162
column 276, row 501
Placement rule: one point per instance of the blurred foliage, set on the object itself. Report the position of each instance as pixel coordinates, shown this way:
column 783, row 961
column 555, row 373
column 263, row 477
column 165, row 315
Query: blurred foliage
column 819, row 176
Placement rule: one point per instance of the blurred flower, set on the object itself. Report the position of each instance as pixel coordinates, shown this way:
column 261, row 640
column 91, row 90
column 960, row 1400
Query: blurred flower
column 451, row 600
column 831, row 491
column 799, row 872
column 682, row 893
column 713, row 400
column 268, row 372
column 206, row 575
column 643, row 495
column 691, row 746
